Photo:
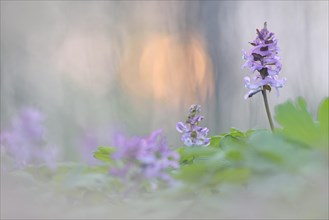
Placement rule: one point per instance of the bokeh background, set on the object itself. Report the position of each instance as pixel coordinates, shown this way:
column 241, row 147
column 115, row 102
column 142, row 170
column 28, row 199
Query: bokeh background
column 135, row 66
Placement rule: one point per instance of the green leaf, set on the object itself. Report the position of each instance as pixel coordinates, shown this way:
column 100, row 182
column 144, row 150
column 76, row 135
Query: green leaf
column 323, row 118
column 190, row 154
column 236, row 133
column 104, row 154
column 271, row 156
column 192, row 173
column 215, row 141
column 270, row 152
column 234, row 155
column 234, row 175
column 229, row 142
column 298, row 123
column 250, row 132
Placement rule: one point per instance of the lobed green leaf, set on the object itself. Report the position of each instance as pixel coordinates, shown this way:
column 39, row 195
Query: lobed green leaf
column 104, row 154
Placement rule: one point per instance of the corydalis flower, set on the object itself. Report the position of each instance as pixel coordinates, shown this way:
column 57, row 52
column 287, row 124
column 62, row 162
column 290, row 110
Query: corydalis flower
column 25, row 141
column 144, row 157
column 263, row 58
column 192, row 134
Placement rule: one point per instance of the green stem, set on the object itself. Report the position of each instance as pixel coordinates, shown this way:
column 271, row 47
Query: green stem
column 267, row 109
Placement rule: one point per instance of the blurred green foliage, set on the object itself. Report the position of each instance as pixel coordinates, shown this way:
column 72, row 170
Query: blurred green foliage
column 233, row 158
column 298, row 125
column 237, row 156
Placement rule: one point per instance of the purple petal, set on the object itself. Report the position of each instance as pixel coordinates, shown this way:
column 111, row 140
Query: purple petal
column 196, row 119
column 206, row 141
column 181, row 127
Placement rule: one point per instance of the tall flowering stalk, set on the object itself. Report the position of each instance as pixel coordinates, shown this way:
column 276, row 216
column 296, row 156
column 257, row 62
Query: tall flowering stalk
column 192, row 133
column 263, row 58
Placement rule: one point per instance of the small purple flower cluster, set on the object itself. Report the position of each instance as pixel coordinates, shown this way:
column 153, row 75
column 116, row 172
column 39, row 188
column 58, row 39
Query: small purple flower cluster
column 144, row 157
column 25, row 141
column 263, row 58
column 192, row 134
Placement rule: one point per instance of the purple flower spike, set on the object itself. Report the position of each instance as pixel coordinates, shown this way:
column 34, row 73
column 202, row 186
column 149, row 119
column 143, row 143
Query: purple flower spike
column 192, row 134
column 263, row 58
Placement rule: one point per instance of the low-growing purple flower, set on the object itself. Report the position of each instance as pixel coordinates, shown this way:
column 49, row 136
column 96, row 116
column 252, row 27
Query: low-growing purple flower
column 263, row 58
column 192, row 134
column 144, row 157
column 25, row 141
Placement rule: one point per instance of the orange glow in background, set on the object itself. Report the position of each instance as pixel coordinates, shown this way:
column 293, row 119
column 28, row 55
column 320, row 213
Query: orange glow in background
column 168, row 69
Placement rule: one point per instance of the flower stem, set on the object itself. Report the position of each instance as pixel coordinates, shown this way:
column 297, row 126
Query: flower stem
column 267, row 109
